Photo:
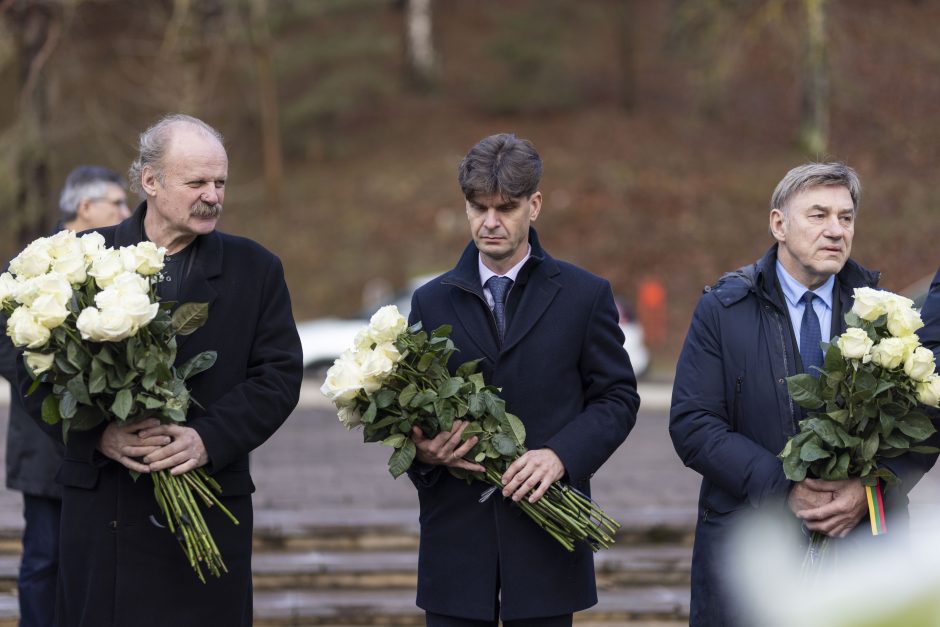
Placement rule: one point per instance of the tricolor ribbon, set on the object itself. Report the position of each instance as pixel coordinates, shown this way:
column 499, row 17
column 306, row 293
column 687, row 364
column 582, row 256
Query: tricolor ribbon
column 876, row 508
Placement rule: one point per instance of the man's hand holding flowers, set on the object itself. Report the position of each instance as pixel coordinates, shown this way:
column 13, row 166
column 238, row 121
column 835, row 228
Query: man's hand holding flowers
column 126, row 444
column 535, row 471
column 446, row 449
column 183, row 453
column 832, row 508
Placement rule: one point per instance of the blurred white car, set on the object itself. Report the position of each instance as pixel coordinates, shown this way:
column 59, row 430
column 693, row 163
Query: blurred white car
column 324, row 339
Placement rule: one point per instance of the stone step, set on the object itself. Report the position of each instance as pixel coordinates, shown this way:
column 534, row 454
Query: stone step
column 359, row 528
column 658, row 605
column 616, row 568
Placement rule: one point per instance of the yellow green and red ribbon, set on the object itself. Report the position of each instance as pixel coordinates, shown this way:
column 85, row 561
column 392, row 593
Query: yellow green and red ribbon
column 876, row 508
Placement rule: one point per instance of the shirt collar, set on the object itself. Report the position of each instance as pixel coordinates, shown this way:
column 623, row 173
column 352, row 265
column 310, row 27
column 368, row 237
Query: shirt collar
column 486, row 273
column 793, row 290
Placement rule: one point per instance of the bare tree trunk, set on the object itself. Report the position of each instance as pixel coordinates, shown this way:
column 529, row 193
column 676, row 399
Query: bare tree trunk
column 627, row 55
column 272, row 153
column 37, row 29
column 814, row 134
column 422, row 64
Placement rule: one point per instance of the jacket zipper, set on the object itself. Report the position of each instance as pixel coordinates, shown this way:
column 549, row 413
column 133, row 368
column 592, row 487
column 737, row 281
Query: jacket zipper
column 736, row 406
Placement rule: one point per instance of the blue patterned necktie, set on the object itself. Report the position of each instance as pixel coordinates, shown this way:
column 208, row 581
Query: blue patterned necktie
column 499, row 287
column 810, row 337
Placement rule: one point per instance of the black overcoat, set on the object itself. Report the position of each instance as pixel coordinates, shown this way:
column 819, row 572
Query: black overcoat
column 563, row 370
column 117, row 567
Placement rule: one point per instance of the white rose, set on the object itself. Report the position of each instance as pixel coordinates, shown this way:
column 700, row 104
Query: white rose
column 854, row 344
column 343, row 380
column 919, row 365
column 870, row 304
column 147, row 258
column 928, row 392
column 61, row 243
column 25, row 330
column 387, row 324
column 33, row 261
column 51, row 284
column 92, row 244
column 140, row 309
column 130, row 283
column 350, row 416
column 890, row 352
column 9, row 288
column 106, row 266
column 104, row 326
column 902, row 319
column 72, row 266
column 389, row 350
column 376, row 366
column 48, row 311
column 38, row 362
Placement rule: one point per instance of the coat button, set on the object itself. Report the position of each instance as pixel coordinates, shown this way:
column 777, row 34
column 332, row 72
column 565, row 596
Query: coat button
column 781, row 381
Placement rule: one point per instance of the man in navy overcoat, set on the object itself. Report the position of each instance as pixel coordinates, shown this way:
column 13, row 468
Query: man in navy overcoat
column 731, row 412
column 547, row 334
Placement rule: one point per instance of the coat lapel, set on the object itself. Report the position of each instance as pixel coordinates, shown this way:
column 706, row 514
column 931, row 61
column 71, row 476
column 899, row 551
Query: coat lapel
column 474, row 316
column 198, row 284
column 540, row 290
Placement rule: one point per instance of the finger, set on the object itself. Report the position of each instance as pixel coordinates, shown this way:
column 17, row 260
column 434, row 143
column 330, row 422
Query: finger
column 184, row 467
column 128, row 462
column 155, row 441
column 417, row 434
column 527, row 486
column 149, row 423
column 465, row 448
column 540, row 490
column 469, row 466
column 521, row 474
column 514, row 468
column 170, row 462
column 165, row 452
column 137, row 451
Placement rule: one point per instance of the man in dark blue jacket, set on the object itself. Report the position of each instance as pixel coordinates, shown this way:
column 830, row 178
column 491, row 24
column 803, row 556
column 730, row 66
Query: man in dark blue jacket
column 547, row 334
column 930, row 334
column 731, row 413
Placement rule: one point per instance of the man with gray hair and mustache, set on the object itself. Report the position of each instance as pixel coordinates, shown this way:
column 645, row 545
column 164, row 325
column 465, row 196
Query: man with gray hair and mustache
column 731, row 412
column 119, row 564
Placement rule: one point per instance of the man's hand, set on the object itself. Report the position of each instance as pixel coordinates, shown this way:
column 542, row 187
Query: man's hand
column 186, row 451
column 808, row 494
column 124, row 443
column 446, row 449
column 840, row 515
column 534, row 472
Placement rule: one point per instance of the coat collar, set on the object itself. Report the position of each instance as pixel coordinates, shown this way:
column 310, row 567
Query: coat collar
column 206, row 260
column 539, row 270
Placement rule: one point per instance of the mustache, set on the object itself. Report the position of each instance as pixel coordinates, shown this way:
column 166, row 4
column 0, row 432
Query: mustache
column 202, row 209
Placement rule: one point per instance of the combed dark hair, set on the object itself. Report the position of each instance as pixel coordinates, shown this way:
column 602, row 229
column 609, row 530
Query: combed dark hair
column 153, row 144
column 85, row 182
column 501, row 165
column 813, row 175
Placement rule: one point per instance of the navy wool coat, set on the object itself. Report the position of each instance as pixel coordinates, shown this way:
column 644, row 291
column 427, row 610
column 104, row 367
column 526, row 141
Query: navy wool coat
column 563, row 370
column 732, row 415
column 118, row 567
column 930, row 334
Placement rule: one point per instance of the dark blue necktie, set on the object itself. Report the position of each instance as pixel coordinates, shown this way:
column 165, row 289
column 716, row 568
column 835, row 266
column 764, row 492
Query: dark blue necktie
column 810, row 337
column 499, row 287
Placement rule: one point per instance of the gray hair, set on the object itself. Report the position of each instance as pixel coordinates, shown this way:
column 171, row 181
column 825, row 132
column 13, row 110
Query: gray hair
column 84, row 183
column 153, row 143
column 813, row 175
column 500, row 164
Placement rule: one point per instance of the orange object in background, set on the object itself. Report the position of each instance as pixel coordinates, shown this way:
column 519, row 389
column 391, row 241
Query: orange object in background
column 651, row 310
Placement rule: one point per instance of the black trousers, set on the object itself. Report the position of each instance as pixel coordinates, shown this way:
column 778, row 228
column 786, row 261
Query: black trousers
column 439, row 620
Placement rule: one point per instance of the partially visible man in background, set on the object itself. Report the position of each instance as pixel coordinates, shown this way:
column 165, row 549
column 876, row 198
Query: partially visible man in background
column 93, row 197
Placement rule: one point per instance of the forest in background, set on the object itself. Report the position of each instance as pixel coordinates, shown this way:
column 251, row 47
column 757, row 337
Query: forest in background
column 663, row 124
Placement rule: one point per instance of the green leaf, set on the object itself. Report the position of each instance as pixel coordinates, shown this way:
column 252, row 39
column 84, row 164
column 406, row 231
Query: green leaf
column 368, row 416
column 467, row 368
column 149, row 402
column 198, row 363
column 408, row 393
column 76, row 385
column 794, row 468
column 149, row 380
column 917, row 426
column 852, row 319
column 62, row 363
column 68, row 405
column 98, row 378
column 495, row 406
column 395, row 440
column 504, row 443
column 446, row 417
column 50, row 410
column 516, row 428
column 425, row 362
column 104, row 355
column 449, row 387
column 869, row 447
column 476, row 407
column 839, row 415
column 841, row 470
column 826, row 430
column 383, row 398
column 86, row 418
column 804, row 389
column 401, row 459
column 472, row 429
column 442, row 331
column 123, row 403
column 865, row 385
column 811, row 451
column 384, row 422
column 477, row 380
column 423, row 398
column 833, row 361
column 189, row 317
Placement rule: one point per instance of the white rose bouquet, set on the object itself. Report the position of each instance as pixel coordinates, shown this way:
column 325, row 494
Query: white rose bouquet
column 865, row 402
column 396, row 378
column 90, row 324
